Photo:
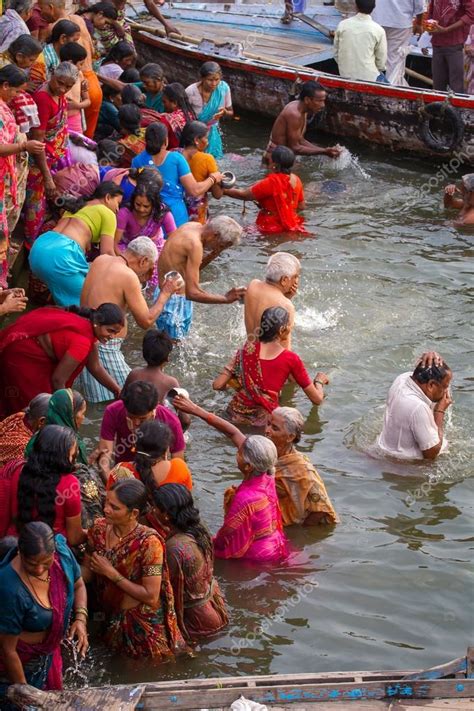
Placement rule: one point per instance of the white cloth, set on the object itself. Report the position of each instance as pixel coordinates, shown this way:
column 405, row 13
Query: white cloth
column 360, row 48
column 397, row 13
column 195, row 99
column 409, row 427
column 11, row 27
column 398, row 46
column 243, row 704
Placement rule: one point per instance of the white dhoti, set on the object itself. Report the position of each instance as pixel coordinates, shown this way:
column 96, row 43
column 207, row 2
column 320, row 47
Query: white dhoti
column 398, row 45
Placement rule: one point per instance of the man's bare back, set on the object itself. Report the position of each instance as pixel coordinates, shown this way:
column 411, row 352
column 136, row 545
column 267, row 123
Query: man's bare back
column 260, row 296
column 108, row 281
column 179, row 247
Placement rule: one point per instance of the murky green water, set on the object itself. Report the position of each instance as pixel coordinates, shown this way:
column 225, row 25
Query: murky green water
column 383, row 278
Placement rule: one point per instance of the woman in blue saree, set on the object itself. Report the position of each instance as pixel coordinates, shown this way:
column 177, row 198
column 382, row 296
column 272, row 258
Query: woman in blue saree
column 40, row 583
column 211, row 101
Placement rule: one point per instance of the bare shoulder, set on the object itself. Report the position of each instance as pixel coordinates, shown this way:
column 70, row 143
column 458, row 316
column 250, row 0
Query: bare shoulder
column 254, row 285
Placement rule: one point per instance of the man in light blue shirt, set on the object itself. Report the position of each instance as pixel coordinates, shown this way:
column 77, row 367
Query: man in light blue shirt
column 396, row 17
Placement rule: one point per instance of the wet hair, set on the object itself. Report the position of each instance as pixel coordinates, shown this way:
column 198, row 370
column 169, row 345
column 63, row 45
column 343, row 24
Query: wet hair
column 155, row 137
column 177, row 501
column 423, row 374
column 72, row 204
column 151, row 192
column 260, row 453
column 63, row 27
column 130, row 75
column 280, row 265
column 38, row 407
column 72, row 52
column 131, row 493
column 131, row 94
column 191, row 131
column 468, row 182
column 156, row 348
column 108, row 92
column 7, row 544
column 209, row 68
column 152, row 71
column 26, row 45
column 273, row 320
column 226, row 229
column 284, row 159
column 153, row 441
column 147, row 175
column 40, row 476
column 13, row 76
column 139, row 398
column 129, row 117
column 294, row 421
column 66, row 70
column 177, row 93
column 20, row 5
column 104, row 8
column 108, row 150
column 36, row 537
column 310, row 88
column 365, row 6
column 118, row 52
column 143, row 247
column 106, row 314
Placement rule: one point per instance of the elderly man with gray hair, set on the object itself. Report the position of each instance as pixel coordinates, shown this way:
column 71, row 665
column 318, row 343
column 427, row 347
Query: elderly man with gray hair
column 119, row 280
column 183, row 255
column 301, row 491
column 282, row 276
column 462, row 199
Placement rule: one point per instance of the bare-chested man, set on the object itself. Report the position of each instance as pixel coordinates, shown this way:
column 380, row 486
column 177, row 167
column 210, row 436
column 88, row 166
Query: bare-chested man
column 184, row 253
column 461, row 199
column 119, row 280
column 290, row 125
column 282, row 277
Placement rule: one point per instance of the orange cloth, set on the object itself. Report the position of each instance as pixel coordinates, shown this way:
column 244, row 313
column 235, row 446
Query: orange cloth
column 202, row 165
column 178, row 473
column 301, row 491
column 95, row 95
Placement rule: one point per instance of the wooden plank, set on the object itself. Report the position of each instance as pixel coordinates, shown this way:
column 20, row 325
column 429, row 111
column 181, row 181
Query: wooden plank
column 457, row 666
column 112, row 698
column 293, row 693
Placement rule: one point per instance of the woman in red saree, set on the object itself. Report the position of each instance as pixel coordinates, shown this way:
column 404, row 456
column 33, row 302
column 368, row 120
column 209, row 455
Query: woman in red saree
column 178, row 112
column 199, row 604
column 132, row 579
column 40, row 584
column 260, row 369
column 279, row 195
column 46, row 349
column 52, row 110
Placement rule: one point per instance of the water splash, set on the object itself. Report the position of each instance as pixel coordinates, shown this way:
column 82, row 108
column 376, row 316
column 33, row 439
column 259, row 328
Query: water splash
column 345, row 161
column 308, row 319
column 74, row 676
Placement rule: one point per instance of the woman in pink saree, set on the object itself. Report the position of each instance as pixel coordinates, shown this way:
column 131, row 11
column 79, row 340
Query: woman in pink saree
column 252, row 527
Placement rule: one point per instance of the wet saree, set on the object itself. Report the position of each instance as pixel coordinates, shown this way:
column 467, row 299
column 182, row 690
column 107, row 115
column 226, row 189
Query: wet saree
column 57, row 157
column 42, row 662
column 199, row 604
column 301, row 491
column 252, row 526
column 216, row 101
column 132, row 145
column 175, row 121
column 278, row 201
column 140, row 631
column 251, row 403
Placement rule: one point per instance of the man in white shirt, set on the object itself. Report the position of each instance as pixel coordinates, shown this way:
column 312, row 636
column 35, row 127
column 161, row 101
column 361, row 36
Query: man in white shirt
column 413, row 425
column 360, row 45
column 396, row 18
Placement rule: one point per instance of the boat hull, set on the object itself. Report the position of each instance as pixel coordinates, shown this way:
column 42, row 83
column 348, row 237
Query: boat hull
column 373, row 113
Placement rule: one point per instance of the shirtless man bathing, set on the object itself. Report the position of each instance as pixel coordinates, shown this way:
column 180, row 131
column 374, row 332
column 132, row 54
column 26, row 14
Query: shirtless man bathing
column 184, row 253
column 290, row 125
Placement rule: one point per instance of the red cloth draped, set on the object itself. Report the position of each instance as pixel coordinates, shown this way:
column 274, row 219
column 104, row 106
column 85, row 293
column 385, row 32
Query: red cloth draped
column 279, row 201
column 252, row 401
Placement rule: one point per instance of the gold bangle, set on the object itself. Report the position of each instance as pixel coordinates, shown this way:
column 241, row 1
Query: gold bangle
column 118, row 579
column 320, row 382
column 82, row 610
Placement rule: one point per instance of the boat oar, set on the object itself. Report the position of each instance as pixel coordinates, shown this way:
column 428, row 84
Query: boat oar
column 315, row 24
column 420, row 77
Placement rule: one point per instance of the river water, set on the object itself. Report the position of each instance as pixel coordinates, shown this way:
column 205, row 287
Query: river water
column 384, row 277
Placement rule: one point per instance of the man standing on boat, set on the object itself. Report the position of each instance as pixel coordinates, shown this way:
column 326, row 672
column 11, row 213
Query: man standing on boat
column 290, row 125
column 396, row 18
column 452, row 23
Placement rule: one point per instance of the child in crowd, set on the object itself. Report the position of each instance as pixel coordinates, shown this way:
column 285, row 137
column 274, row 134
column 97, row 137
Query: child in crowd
column 108, row 116
column 78, row 98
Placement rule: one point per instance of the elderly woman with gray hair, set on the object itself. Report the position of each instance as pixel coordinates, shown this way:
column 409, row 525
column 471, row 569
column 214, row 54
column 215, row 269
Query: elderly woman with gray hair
column 301, row 491
column 13, row 22
column 252, row 527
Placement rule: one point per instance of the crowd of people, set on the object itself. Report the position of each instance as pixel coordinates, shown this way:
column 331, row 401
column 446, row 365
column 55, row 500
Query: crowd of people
column 106, row 174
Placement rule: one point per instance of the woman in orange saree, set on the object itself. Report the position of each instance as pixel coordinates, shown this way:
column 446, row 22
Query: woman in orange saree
column 279, row 195
column 132, row 579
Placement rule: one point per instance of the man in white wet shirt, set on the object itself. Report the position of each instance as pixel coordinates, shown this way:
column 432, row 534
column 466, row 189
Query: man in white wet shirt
column 416, row 407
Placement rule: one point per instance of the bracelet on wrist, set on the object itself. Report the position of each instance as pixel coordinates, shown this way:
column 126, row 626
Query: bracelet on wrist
column 118, row 579
column 441, row 411
column 81, row 610
column 319, row 382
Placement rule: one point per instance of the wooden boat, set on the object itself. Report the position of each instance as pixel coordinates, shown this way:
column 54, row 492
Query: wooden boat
column 449, row 687
column 264, row 71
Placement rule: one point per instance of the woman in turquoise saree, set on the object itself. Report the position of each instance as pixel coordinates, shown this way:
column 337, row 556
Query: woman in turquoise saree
column 211, row 101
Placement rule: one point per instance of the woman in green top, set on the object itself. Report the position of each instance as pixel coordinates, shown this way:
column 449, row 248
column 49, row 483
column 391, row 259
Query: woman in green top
column 58, row 257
